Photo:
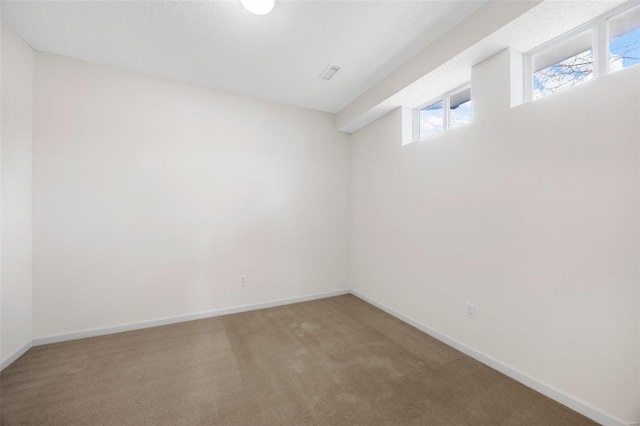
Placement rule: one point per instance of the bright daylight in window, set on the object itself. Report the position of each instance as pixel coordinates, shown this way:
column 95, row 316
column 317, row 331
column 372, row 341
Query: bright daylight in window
column 624, row 39
column 460, row 108
column 566, row 73
column 452, row 110
column 432, row 120
column 572, row 60
column 563, row 65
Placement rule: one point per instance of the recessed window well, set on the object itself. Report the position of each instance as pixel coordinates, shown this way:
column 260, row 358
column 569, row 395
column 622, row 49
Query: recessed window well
column 449, row 111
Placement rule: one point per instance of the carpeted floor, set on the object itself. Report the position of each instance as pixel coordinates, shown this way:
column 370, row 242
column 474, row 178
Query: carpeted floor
column 337, row 361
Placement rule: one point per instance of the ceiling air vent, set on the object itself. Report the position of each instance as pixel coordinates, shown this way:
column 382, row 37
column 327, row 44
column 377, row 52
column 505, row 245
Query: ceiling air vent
column 329, row 72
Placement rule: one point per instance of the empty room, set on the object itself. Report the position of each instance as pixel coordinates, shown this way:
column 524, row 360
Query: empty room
column 300, row 212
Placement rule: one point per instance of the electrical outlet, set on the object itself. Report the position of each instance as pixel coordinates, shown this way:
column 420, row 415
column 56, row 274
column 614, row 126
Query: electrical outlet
column 633, row 423
column 243, row 280
column 471, row 310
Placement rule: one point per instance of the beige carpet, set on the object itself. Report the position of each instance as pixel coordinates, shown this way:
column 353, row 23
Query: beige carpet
column 336, row 361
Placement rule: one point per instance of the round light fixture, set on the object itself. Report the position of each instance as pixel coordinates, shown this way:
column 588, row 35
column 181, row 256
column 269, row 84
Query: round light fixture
column 259, row 7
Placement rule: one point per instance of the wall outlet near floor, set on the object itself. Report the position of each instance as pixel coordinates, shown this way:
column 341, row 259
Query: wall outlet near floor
column 243, row 280
column 471, row 310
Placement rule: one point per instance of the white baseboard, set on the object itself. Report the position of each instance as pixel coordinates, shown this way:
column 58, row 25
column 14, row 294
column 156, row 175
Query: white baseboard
column 181, row 318
column 14, row 356
column 553, row 393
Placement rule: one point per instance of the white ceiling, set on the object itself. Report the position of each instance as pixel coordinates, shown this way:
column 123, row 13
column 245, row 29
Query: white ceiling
column 219, row 44
column 543, row 21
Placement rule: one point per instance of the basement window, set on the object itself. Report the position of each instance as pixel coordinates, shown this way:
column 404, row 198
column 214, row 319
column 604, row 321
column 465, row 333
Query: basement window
column 460, row 108
column 624, row 39
column 446, row 112
column 431, row 120
column 562, row 65
column 606, row 44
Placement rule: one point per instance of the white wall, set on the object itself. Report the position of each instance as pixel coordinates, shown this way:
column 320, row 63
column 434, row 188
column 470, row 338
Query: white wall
column 532, row 214
column 152, row 197
column 17, row 118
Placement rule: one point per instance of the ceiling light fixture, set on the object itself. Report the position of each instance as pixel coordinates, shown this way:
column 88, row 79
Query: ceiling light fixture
column 259, row 7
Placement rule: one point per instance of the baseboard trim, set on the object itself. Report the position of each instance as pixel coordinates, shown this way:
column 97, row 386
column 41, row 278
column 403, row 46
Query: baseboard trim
column 182, row 318
column 547, row 390
column 14, row 356
column 553, row 393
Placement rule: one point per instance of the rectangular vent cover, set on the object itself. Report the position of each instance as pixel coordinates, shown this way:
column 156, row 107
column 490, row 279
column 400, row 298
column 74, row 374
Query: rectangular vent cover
column 329, row 72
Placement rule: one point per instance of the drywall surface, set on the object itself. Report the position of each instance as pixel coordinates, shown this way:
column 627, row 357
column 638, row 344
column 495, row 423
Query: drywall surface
column 17, row 119
column 220, row 44
column 531, row 213
column 153, row 197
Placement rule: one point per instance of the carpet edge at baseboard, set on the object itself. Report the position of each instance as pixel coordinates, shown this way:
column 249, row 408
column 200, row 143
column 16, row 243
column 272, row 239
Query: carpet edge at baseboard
column 95, row 332
column 557, row 395
column 545, row 389
column 14, row 356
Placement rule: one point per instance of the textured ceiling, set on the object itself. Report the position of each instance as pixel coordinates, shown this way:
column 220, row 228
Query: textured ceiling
column 219, row 44
column 544, row 22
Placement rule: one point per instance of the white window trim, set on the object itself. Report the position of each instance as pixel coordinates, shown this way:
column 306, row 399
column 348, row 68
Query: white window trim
column 446, row 103
column 600, row 44
column 530, row 55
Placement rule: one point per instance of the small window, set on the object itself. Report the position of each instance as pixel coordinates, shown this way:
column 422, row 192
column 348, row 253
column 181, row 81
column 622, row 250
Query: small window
column 624, row 39
column 460, row 108
column 432, row 120
column 563, row 65
column 451, row 110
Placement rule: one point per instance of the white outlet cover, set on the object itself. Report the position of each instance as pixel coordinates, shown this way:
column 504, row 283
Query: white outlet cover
column 471, row 310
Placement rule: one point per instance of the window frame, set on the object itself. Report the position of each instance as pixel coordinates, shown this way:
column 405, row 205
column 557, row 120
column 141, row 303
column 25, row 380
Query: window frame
column 605, row 29
column 555, row 43
column 446, row 116
column 599, row 28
